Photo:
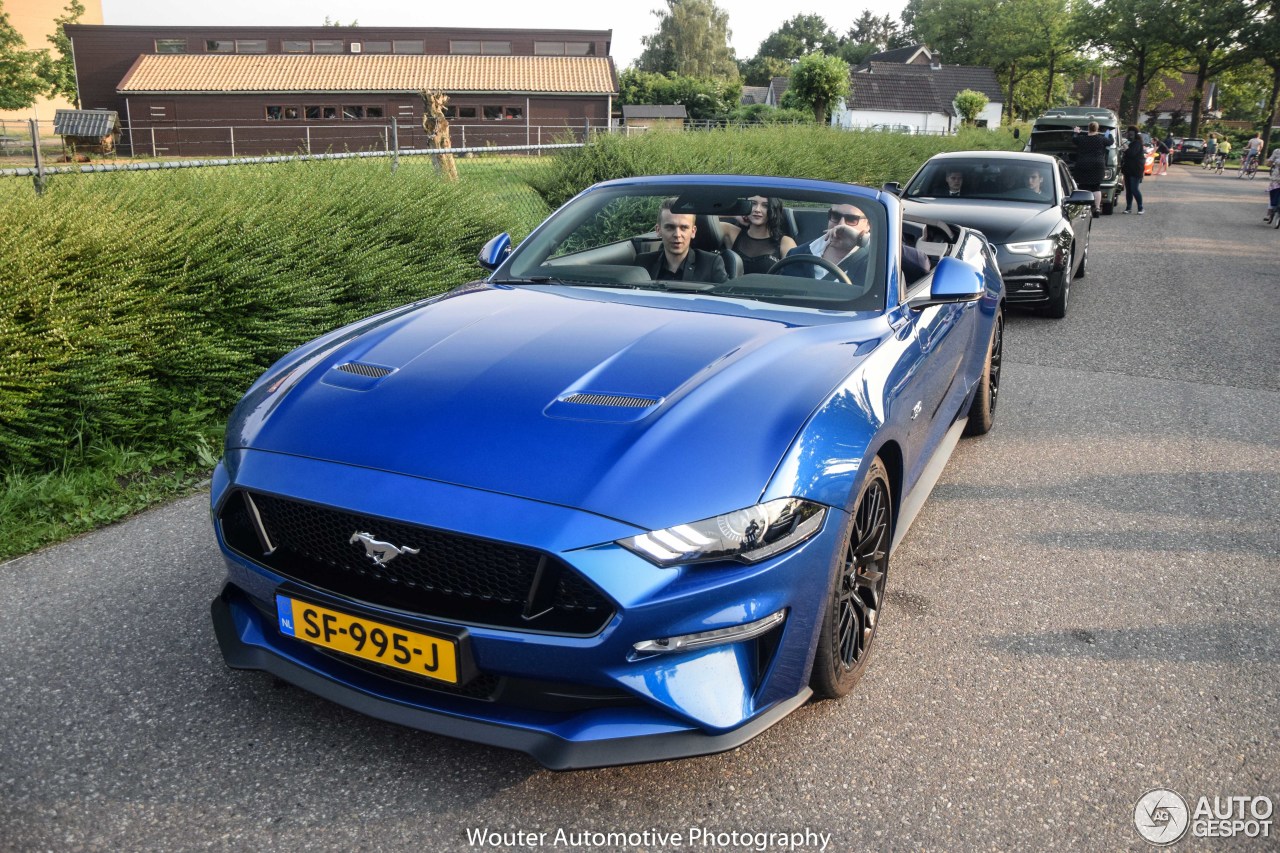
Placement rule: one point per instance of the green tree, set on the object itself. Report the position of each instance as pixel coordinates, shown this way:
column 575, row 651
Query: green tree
column 1263, row 37
column 702, row 99
column 60, row 72
column 1211, row 35
column 970, row 105
column 800, row 36
column 1139, row 37
column 692, row 40
column 881, row 33
column 759, row 70
column 21, row 71
column 818, row 81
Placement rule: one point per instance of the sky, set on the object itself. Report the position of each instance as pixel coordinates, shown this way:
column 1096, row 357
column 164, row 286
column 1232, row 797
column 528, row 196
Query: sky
column 750, row 21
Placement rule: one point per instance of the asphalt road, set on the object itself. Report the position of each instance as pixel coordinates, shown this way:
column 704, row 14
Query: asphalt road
column 1086, row 609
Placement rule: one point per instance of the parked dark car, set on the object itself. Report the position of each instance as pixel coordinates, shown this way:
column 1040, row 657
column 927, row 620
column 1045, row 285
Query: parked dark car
column 1190, row 150
column 1053, row 133
column 1041, row 234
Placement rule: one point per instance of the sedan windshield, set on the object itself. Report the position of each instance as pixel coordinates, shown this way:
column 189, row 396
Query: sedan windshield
column 804, row 246
column 991, row 179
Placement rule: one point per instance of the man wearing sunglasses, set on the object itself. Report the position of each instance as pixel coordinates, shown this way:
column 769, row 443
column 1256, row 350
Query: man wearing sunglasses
column 848, row 231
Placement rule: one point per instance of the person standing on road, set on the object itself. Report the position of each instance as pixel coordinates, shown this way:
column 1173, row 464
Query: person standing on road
column 1091, row 162
column 1132, row 163
column 1274, row 187
column 1163, row 146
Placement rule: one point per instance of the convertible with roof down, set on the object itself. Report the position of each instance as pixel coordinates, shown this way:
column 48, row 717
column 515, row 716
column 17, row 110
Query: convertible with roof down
column 600, row 517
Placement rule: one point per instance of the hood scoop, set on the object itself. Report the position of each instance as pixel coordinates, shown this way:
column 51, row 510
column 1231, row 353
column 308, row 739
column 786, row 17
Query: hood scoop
column 597, row 406
column 357, row 376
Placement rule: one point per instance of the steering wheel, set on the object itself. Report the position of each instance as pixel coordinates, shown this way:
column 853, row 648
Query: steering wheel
column 815, row 261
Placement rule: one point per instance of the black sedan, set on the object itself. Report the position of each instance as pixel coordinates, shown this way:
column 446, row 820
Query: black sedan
column 1026, row 204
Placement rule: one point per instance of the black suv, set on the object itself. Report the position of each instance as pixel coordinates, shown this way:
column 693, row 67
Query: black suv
column 1052, row 133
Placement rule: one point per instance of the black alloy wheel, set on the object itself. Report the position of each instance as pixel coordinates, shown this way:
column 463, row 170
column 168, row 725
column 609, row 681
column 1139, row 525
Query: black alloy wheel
column 982, row 411
column 857, row 598
column 1057, row 307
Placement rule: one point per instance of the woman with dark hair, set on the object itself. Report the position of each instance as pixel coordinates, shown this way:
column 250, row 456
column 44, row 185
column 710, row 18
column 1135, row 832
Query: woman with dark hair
column 1132, row 164
column 759, row 239
column 1091, row 162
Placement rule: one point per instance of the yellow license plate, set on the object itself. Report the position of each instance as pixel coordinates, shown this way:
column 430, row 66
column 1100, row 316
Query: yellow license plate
column 421, row 654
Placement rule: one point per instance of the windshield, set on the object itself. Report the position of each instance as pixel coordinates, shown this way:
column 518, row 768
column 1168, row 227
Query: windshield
column 1029, row 181
column 809, row 247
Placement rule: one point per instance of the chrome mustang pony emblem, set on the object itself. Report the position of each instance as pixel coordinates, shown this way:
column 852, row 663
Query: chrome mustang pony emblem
column 377, row 550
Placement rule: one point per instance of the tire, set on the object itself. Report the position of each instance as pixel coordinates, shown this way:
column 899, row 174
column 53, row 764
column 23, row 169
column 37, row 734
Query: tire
column 982, row 411
column 1057, row 307
column 1108, row 207
column 1084, row 257
column 856, row 600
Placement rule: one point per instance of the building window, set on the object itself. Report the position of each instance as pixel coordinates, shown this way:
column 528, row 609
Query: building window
column 495, row 48
column 373, row 112
column 292, row 113
column 251, row 45
column 220, row 46
column 327, row 45
column 377, row 47
column 171, row 45
column 315, row 113
column 459, row 112
column 503, row 113
column 296, row 46
column 275, row 113
column 408, row 46
column 464, row 47
column 564, row 48
column 352, row 112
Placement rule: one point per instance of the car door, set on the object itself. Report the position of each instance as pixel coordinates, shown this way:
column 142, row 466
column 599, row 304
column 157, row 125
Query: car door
column 1079, row 215
column 935, row 381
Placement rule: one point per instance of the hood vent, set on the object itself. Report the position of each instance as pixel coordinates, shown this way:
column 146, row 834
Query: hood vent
column 610, row 400
column 372, row 371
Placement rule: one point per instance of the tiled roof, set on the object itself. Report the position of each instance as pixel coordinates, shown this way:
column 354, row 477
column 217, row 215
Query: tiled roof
column 369, row 73
column 93, row 123
column 1180, row 88
column 914, row 93
column 949, row 79
column 654, row 111
column 754, row 95
column 897, row 56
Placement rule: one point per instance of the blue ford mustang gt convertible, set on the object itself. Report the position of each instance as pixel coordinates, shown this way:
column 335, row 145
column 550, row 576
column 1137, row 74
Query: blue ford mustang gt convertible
column 623, row 500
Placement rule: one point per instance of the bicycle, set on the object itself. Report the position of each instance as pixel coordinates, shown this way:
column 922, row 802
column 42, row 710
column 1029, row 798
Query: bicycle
column 1248, row 166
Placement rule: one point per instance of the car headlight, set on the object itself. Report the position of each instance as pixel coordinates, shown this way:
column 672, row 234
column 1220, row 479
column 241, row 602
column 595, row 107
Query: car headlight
column 1035, row 248
column 746, row 535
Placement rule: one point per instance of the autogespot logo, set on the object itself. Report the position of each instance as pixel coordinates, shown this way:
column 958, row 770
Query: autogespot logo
column 1161, row 817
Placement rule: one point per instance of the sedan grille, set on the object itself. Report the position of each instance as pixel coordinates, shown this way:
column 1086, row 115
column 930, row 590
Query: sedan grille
column 437, row 574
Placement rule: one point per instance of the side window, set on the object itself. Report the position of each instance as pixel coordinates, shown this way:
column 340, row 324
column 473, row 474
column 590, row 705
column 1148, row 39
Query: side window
column 1068, row 185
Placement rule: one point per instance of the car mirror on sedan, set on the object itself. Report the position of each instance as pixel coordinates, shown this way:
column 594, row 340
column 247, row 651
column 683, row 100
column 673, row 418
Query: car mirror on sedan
column 954, row 281
column 1080, row 197
column 892, row 187
column 493, row 253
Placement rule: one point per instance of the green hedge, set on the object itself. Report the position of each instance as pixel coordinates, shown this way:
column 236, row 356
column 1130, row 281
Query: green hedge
column 798, row 151
column 136, row 307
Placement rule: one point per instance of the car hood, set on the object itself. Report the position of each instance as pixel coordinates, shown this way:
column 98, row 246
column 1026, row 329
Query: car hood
column 653, row 409
column 1001, row 222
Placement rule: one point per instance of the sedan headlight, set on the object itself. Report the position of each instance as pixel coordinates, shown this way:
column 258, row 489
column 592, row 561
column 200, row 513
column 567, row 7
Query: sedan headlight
column 1035, row 248
column 746, row 535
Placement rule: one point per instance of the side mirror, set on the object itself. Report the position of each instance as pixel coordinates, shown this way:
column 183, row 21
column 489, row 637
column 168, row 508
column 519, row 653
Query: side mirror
column 1017, row 133
column 493, row 253
column 954, row 281
column 892, row 187
column 1080, row 197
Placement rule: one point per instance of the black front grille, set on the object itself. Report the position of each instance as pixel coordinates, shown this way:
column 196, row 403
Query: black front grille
column 451, row 577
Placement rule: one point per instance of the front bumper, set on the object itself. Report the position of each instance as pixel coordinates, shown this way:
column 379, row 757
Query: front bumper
column 1029, row 279
column 570, row 701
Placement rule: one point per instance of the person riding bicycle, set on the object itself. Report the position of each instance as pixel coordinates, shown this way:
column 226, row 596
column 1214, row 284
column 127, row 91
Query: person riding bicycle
column 1252, row 156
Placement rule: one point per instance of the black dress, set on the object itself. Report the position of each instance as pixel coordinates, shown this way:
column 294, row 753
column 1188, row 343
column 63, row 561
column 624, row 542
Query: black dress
column 1091, row 160
column 758, row 254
